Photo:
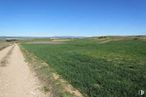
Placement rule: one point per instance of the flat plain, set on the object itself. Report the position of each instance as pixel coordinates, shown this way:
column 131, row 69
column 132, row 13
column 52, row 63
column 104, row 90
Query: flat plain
column 98, row 67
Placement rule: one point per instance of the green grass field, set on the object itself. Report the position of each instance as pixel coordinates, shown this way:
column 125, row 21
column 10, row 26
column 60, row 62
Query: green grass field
column 110, row 69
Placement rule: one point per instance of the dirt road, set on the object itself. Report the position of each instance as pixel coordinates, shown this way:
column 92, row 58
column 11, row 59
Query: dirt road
column 16, row 79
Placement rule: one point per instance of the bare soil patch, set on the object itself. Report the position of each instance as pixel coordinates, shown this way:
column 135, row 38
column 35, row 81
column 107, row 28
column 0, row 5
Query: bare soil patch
column 16, row 79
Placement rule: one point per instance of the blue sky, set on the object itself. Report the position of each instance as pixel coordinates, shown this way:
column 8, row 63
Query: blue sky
column 72, row 17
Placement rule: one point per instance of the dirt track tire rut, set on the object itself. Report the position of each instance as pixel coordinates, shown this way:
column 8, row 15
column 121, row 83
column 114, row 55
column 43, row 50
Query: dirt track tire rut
column 16, row 79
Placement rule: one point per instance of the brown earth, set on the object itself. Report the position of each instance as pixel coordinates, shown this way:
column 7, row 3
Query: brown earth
column 16, row 79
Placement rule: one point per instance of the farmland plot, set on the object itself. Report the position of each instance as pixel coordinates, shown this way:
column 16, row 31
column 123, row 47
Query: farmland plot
column 112, row 69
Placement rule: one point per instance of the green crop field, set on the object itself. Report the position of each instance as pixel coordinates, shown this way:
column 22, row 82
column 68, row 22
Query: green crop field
column 96, row 69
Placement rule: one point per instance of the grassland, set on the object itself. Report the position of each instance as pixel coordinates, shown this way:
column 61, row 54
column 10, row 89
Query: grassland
column 98, row 67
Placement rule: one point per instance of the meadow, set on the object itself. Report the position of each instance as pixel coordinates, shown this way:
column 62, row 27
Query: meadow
column 98, row 68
